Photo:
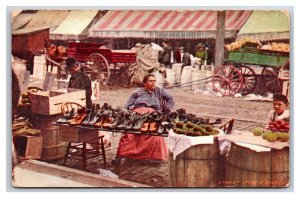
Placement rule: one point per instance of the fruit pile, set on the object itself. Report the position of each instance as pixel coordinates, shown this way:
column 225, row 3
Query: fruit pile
column 191, row 129
column 271, row 136
column 240, row 43
column 24, row 105
column 279, row 125
column 280, row 47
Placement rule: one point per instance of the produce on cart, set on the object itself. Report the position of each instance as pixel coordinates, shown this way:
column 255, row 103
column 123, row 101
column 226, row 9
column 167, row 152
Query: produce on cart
column 244, row 57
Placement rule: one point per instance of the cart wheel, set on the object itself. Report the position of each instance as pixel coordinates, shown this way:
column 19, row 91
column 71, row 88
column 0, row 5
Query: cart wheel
column 228, row 80
column 97, row 67
column 270, row 79
column 249, row 80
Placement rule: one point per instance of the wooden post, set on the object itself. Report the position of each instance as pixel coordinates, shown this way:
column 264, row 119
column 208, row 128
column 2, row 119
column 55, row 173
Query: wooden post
column 220, row 36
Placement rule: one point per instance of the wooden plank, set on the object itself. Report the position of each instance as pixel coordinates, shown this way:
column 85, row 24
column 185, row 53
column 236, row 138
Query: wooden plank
column 180, row 172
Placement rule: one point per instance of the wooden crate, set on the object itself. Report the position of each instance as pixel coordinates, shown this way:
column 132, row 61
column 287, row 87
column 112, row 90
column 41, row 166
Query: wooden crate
column 29, row 147
column 49, row 102
column 76, row 134
column 286, row 88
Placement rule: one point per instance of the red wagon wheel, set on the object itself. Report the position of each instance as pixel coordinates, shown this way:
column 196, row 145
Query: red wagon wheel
column 249, row 80
column 270, row 79
column 97, row 67
column 227, row 80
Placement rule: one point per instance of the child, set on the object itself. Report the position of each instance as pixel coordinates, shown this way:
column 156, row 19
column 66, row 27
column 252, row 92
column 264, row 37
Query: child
column 280, row 103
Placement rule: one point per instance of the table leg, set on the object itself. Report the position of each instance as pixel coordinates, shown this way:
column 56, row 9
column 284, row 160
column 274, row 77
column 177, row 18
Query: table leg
column 67, row 153
column 103, row 151
column 84, row 155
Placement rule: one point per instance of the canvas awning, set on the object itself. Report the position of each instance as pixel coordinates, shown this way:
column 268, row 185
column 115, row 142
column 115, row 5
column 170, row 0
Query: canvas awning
column 20, row 20
column 74, row 25
column 43, row 19
column 184, row 24
column 266, row 25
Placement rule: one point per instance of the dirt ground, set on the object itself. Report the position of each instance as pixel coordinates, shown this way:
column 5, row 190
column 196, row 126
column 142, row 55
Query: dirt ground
column 247, row 115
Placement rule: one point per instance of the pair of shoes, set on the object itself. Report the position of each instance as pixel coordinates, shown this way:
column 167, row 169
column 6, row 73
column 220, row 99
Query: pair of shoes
column 118, row 118
column 105, row 116
column 94, row 117
column 126, row 122
column 67, row 117
column 149, row 127
column 139, row 121
column 88, row 117
column 80, row 116
column 164, row 125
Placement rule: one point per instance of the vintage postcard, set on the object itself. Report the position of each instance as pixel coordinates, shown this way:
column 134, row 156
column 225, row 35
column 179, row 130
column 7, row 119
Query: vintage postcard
column 151, row 98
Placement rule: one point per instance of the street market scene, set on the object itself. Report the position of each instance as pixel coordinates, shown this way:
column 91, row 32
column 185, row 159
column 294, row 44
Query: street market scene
column 150, row 98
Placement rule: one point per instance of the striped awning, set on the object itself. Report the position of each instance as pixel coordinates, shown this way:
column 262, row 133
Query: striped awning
column 179, row 24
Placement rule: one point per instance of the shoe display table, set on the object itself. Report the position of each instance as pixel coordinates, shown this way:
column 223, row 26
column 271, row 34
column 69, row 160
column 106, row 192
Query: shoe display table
column 68, row 132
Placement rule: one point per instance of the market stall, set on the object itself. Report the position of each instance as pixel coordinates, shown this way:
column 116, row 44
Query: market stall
column 166, row 24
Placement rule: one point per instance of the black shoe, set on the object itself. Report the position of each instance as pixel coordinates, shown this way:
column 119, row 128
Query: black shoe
column 140, row 119
column 118, row 119
column 88, row 117
column 116, row 161
column 217, row 121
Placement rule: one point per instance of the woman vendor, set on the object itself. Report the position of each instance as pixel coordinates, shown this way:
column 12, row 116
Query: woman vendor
column 145, row 100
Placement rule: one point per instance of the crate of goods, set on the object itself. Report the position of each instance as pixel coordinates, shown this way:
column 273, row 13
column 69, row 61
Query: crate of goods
column 49, row 102
column 29, row 147
column 284, row 74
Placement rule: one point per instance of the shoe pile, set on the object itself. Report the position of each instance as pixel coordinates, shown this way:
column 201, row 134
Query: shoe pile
column 108, row 118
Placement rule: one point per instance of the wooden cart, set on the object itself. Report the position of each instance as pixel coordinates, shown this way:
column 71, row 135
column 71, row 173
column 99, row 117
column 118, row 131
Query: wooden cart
column 102, row 64
column 238, row 74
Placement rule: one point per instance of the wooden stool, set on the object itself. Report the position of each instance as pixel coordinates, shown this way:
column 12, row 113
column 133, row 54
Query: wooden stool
column 83, row 153
column 78, row 139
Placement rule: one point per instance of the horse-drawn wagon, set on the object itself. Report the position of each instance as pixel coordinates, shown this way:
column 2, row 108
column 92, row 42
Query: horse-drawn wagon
column 239, row 74
column 100, row 63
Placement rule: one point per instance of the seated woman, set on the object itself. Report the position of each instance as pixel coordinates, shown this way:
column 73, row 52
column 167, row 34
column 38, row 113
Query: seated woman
column 147, row 99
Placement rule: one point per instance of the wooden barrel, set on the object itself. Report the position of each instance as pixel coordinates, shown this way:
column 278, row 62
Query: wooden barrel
column 52, row 148
column 247, row 168
column 196, row 167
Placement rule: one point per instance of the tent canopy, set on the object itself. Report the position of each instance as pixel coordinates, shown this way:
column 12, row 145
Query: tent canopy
column 192, row 24
column 43, row 19
column 74, row 25
column 266, row 25
column 20, row 20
